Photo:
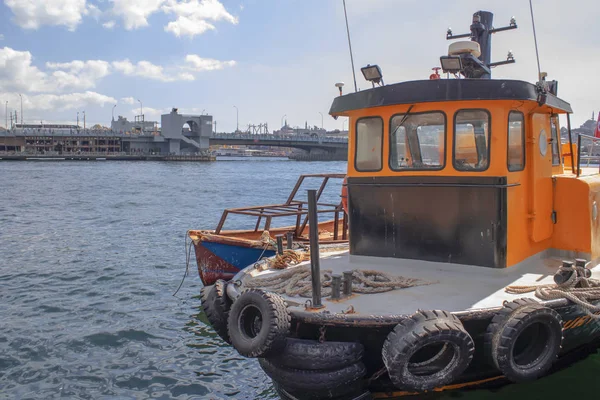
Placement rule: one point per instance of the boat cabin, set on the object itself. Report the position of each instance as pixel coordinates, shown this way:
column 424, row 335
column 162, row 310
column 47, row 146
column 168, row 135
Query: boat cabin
column 467, row 170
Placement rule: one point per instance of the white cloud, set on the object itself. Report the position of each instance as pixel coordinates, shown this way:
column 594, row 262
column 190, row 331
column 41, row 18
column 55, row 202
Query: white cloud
column 31, row 14
column 192, row 16
column 17, row 73
column 78, row 74
column 61, row 102
column 135, row 13
column 93, row 11
column 185, row 26
column 148, row 70
column 200, row 64
column 70, row 100
column 109, row 24
column 128, row 100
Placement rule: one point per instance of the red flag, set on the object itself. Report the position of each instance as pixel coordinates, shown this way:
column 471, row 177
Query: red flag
column 597, row 133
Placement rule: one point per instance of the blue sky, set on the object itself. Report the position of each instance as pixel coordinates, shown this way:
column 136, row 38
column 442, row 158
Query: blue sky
column 269, row 58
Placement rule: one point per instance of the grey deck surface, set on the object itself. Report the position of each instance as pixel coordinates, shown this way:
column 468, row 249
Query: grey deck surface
column 456, row 287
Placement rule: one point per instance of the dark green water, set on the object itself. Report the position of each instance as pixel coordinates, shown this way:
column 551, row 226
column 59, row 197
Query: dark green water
column 90, row 254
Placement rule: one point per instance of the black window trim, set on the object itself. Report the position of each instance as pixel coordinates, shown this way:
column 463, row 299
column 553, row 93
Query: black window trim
column 489, row 141
column 524, row 132
column 445, row 142
column 356, row 142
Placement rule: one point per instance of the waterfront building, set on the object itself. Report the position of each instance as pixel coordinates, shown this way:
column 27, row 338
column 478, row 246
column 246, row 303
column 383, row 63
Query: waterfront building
column 179, row 135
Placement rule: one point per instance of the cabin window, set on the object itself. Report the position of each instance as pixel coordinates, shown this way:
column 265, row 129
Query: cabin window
column 516, row 141
column 369, row 139
column 471, row 140
column 417, row 141
column 555, row 142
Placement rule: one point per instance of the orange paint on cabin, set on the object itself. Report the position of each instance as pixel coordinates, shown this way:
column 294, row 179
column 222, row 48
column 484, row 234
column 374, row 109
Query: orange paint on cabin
column 548, row 205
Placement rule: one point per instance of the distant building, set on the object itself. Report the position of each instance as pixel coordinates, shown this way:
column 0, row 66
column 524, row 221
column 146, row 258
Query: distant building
column 179, row 135
column 122, row 125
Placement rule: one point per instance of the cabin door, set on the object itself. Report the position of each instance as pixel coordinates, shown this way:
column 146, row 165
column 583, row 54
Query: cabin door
column 540, row 178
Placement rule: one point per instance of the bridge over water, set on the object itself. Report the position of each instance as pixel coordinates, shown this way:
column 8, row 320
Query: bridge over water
column 329, row 144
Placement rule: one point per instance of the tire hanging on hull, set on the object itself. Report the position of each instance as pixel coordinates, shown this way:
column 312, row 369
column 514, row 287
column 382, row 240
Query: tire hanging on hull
column 427, row 350
column 524, row 339
column 258, row 323
column 312, row 355
column 324, row 384
column 216, row 305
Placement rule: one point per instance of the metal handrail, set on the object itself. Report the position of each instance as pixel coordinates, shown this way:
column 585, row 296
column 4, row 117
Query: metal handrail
column 594, row 140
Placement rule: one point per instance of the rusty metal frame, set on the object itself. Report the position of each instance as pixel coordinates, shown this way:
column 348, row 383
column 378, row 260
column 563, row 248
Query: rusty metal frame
column 292, row 207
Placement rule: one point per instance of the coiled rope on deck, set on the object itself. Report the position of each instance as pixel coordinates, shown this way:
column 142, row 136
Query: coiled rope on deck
column 297, row 282
column 577, row 288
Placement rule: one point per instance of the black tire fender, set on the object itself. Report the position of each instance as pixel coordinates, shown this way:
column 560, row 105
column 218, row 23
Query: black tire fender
column 216, row 305
column 524, row 339
column 325, row 384
column 441, row 345
column 258, row 323
column 312, row 355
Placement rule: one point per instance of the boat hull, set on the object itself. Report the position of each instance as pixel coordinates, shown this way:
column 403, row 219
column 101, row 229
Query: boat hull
column 581, row 338
column 221, row 258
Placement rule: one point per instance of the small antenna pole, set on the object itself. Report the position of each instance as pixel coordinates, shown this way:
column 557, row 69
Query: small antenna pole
column 350, row 46
column 537, row 54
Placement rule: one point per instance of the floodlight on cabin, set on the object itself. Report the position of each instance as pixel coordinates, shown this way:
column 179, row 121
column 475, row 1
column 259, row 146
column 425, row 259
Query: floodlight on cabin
column 510, row 56
column 513, row 21
column 340, row 85
column 452, row 64
column 372, row 73
column 449, row 33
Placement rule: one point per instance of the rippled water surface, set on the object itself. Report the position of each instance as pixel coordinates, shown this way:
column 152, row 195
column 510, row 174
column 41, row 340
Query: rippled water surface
column 90, row 255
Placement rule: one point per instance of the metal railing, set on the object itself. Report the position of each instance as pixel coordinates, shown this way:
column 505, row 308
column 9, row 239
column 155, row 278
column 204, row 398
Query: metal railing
column 589, row 154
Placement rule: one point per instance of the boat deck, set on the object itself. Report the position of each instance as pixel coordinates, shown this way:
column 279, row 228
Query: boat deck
column 453, row 287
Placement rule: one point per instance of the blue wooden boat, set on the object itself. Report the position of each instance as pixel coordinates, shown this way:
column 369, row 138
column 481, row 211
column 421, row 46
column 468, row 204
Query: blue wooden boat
column 220, row 254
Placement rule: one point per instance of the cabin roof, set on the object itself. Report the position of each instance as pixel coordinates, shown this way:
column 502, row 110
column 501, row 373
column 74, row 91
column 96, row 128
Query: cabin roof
column 425, row 91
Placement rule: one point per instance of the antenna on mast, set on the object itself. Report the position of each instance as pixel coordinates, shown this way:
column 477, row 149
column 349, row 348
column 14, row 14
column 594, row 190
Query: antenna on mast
column 537, row 54
column 350, row 46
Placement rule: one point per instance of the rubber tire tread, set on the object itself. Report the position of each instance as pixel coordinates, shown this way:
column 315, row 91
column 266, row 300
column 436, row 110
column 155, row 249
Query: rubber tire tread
column 507, row 310
column 216, row 305
column 406, row 338
column 331, row 383
column 312, row 355
column 275, row 323
column 513, row 319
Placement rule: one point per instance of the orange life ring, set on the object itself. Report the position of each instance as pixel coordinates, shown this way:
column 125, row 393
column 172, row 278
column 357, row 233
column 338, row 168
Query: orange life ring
column 345, row 195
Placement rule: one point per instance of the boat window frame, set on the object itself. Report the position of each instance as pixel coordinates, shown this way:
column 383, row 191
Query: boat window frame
column 523, row 147
column 356, row 142
column 556, row 142
column 443, row 165
column 489, row 141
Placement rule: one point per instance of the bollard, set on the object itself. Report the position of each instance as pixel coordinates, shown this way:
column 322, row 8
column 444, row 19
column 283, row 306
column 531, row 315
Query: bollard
column 279, row 239
column 290, row 240
column 336, row 283
column 580, row 262
column 347, row 283
column 562, row 276
column 315, row 267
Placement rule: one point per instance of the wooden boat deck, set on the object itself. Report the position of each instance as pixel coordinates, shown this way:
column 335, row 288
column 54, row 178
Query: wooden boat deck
column 455, row 287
